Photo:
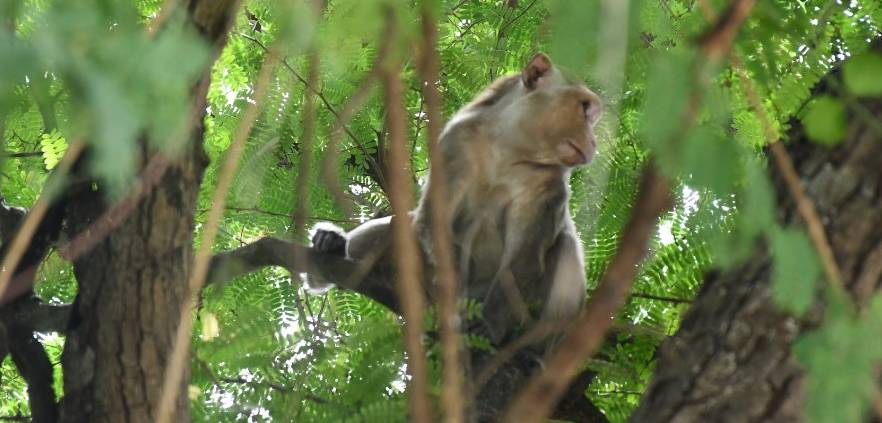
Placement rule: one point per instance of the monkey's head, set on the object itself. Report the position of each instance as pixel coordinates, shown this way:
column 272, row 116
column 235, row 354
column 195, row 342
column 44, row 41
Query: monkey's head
column 549, row 119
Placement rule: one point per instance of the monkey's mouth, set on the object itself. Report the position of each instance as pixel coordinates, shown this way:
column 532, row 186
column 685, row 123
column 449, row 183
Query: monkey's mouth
column 579, row 158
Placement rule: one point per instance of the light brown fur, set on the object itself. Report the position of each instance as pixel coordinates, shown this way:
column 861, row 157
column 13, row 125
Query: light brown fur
column 508, row 156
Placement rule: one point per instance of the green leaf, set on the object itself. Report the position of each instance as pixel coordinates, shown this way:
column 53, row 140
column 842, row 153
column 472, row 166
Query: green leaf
column 862, row 74
column 667, row 92
column 755, row 216
column 840, row 359
column 824, row 120
column 711, row 160
column 573, row 22
column 795, row 270
column 758, row 209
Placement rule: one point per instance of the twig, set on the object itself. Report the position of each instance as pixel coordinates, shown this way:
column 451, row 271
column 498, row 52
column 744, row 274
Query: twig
column 301, row 185
column 511, row 21
column 353, row 104
column 782, row 160
column 165, row 10
column 661, row 298
column 327, row 104
column 174, row 371
column 404, row 239
column 24, row 154
column 442, row 235
column 23, row 237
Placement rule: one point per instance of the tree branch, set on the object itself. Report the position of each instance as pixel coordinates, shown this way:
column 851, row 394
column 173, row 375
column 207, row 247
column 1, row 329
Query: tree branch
column 33, row 364
column 588, row 332
column 24, row 154
column 357, row 276
column 39, row 316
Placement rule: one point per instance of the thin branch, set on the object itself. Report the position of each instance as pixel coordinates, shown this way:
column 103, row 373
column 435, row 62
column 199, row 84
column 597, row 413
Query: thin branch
column 329, row 162
column 404, row 240
column 442, row 234
column 174, row 371
column 301, row 184
column 23, row 154
column 165, row 11
column 377, row 168
column 280, row 214
column 510, row 22
column 782, row 160
column 661, row 298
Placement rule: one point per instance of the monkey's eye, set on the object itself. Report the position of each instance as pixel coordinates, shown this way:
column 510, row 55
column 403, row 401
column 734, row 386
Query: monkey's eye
column 586, row 109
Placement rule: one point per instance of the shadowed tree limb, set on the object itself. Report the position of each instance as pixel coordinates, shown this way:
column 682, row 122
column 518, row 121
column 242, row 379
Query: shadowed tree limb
column 357, row 276
column 33, row 364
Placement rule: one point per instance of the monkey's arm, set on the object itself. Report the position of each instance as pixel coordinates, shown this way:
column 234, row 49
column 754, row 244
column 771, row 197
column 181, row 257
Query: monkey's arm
column 354, row 275
column 566, row 294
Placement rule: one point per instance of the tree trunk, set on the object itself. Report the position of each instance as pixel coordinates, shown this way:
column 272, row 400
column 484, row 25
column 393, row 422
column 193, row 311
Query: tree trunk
column 133, row 283
column 731, row 360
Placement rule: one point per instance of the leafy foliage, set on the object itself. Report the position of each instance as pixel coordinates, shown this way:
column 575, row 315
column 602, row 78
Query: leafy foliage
column 266, row 350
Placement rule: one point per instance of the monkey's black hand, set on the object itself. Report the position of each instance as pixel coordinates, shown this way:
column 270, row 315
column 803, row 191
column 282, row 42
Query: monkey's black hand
column 332, row 242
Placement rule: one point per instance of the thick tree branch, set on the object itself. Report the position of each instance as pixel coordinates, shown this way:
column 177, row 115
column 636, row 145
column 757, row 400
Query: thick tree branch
column 34, row 366
column 357, row 276
column 39, row 316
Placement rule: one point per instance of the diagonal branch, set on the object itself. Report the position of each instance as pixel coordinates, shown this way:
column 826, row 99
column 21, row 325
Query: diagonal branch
column 587, row 333
column 408, row 263
column 442, row 232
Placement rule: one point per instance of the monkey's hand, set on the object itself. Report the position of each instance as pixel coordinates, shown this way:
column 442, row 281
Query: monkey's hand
column 329, row 241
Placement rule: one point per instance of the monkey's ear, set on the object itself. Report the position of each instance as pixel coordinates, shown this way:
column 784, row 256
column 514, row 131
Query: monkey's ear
column 539, row 66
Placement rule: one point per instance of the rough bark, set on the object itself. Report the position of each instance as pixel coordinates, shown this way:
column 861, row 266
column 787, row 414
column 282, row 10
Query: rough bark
column 133, row 283
column 731, row 360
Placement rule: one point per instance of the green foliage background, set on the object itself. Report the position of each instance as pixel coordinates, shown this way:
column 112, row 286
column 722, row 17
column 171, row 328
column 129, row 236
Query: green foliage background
column 264, row 349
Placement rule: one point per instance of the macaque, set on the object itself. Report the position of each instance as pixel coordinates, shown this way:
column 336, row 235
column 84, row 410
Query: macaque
column 507, row 157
